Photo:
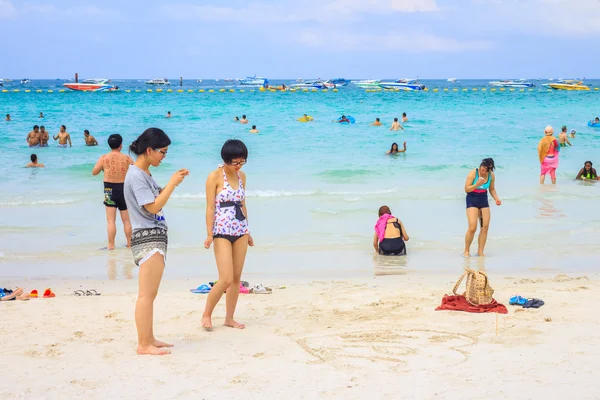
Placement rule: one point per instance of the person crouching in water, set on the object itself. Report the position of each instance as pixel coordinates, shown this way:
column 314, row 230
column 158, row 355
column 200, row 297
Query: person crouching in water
column 587, row 172
column 479, row 181
column 390, row 234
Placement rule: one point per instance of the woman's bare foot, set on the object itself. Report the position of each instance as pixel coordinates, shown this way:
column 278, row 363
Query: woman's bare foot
column 232, row 324
column 110, row 247
column 466, row 254
column 152, row 350
column 207, row 323
column 160, row 345
column 479, row 254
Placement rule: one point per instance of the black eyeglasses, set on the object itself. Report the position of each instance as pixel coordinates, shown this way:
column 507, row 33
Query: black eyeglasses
column 237, row 163
column 164, row 153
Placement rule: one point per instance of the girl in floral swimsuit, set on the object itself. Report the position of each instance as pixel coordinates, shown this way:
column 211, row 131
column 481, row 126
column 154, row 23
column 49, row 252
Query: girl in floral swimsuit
column 227, row 227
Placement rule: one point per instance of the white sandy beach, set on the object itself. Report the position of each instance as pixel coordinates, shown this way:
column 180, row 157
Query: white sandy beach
column 376, row 338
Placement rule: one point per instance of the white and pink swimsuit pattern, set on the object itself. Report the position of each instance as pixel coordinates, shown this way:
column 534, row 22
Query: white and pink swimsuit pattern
column 226, row 222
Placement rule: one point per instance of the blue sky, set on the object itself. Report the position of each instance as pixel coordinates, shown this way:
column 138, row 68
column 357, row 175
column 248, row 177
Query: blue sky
column 308, row 38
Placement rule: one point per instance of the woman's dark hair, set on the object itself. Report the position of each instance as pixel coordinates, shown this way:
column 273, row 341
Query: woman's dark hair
column 384, row 210
column 488, row 163
column 588, row 162
column 232, row 149
column 392, row 148
column 152, row 138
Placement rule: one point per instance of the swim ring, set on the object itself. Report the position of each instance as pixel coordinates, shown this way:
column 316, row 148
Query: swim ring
column 305, row 119
column 350, row 118
column 593, row 124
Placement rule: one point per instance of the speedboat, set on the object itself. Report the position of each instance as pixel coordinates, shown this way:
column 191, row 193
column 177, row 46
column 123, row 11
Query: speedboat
column 312, row 85
column 253, row 81
column 339, row 82
column 568, row 84
column 25, row 81
column 92, row 85
column 1, row 82
column 453, row 80
column 199, row 80
column 228, row 80
column 158, row 81
column 368, row 83
column 517, row 83
column 402, row 84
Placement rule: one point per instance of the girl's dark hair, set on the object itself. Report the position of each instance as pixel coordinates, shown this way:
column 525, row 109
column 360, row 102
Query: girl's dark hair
column 152, row 138
column 588, row 162
column 488, row 163
column 384, row 210
column 232, row 149
column 392, row 148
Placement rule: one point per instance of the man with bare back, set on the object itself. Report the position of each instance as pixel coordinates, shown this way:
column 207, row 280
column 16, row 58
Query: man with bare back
column 33, row 137
column 115, row 165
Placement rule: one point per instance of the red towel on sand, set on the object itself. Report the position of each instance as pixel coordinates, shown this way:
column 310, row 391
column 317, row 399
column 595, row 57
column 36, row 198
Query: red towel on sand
column 459, row 303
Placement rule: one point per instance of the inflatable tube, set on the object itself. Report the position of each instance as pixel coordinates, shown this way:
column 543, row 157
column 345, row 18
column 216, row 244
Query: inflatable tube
column 350, row 118
column 593, row 124
column 305, row 119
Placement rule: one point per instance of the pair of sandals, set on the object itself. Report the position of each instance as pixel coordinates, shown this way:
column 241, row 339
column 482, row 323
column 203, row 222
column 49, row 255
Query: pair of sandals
column 525, row 302
column 90, row 292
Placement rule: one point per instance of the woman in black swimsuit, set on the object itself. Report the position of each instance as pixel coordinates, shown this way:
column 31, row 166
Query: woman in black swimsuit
column 390, row 234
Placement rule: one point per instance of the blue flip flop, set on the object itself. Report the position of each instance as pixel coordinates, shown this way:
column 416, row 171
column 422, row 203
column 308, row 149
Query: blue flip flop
column 203, row 289
column 517, row 301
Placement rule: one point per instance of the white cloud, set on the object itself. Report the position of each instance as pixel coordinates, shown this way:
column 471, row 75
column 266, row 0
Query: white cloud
column 7, row 10
column 38, row 8
column 414, row 42
column 383, row 6
column 53, row 13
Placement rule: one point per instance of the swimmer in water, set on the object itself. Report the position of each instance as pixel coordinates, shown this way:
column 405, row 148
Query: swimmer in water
column 395, row 150
column 168, row 114
column 33, row 137
column 396, row 125
column 243, row 120
column 404, row 117
column 344, row 119
column 63, row 137
column 89, row 139
column 562, row 138
column 44, row 137
column 478, row 182
column 7, row 117
column 253, row 130
column 236, row 119
column 573, row 132
column 587, row 173
column 377, row 122
column 34, row 162
column 41, row 115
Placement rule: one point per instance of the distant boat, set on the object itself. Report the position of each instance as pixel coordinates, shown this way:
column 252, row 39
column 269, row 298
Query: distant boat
column 367, row 83
column 228, row 80
column 409, row 84
column 24, row 81
column 568, row 84
column 311, row 84
column 199, row 80
column 299, row 80
column 453, row 80
column 92, row 85
column 1, row 82
column 517, row 83
column 254, row 81
column 158, row 81
column 339, row 82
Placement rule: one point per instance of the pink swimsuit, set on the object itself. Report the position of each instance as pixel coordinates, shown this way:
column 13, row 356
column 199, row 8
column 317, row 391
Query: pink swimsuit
column 229, row 217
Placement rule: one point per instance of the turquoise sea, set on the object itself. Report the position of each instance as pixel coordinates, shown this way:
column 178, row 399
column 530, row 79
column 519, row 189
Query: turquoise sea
column 313, row 188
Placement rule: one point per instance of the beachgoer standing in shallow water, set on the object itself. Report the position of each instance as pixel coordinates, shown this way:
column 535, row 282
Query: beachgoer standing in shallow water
column 63, row 136
column 115, row 165
column 227, row 227
column 404, row 117
column 563, row 140
column 396, row 125
column 145, row 201
column 44, row 137
column 390, row 234
column 479, row 181
column 89, row 139
column 548, row 149
column 33, row 137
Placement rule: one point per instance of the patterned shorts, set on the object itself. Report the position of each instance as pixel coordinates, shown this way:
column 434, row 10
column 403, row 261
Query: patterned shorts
column 146, row 242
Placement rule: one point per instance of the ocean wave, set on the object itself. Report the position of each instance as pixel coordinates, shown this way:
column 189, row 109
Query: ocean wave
column 291, row 193
column 50, row 202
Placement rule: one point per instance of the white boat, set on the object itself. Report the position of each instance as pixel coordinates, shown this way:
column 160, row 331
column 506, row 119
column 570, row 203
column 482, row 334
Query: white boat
column 92, row 85
column 253, row 81
column 25, row 81
column 367, row 83
column 199, row 80
column 402, row 84
column 517, row 83
column 453, row 80
column 1, row 82
column 158, row 81
column 311, row 85
column 299, row 80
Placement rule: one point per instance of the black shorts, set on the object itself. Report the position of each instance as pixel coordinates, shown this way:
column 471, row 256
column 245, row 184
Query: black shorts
column 392, row 247
column 114, row 196
column 231, row 238
column 477, row 200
